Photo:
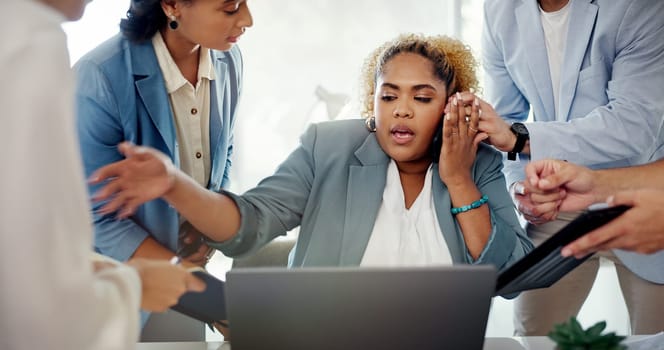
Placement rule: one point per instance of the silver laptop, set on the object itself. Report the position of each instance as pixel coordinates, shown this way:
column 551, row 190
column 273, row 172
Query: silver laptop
column 359, row 308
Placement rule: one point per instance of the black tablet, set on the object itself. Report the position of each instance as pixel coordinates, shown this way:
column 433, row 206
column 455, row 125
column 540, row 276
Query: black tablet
column 208, row 306
column 543, row 266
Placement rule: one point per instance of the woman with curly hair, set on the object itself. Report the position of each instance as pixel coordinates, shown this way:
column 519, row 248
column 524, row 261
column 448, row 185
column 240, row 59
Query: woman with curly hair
column 375, row 192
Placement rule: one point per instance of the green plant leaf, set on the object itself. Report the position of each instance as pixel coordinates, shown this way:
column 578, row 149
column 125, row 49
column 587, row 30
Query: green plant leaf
column 576, row 326
column 571, row 336
column 596, row 329
column 558, row 338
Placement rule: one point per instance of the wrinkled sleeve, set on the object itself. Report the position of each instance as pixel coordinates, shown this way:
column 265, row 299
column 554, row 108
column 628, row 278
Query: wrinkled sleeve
column 508, row 241
column 236, row 91
column 100, row 130
column 276, row 205
column 630, row 122
column 51, row 298
column 501, row 92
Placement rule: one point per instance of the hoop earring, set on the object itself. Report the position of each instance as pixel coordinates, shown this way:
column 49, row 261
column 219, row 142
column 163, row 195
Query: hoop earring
column 173, row 23
column 371, row 124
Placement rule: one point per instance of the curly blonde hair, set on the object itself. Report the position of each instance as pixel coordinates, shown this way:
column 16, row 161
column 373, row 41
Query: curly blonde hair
column 452, row 60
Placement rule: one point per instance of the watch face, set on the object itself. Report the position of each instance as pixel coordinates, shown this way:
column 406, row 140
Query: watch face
column 519, row 128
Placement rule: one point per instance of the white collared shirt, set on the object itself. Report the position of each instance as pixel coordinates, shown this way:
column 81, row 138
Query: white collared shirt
column 190, row 106
column 406, row 237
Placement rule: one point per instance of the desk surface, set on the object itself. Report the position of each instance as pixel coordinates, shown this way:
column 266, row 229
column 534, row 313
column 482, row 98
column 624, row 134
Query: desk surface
column 515, row 343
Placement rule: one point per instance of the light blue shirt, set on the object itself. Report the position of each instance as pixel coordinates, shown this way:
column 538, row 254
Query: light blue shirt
column 611, row 97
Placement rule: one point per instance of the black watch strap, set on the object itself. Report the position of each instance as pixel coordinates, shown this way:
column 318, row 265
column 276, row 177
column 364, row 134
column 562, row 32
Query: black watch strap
column 522, row 136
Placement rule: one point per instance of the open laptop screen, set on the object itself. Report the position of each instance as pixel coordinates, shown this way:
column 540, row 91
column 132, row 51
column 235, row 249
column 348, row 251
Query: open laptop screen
column 359, row 308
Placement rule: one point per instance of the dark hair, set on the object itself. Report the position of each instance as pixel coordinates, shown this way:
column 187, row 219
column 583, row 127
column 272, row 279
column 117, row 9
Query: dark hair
column 144, row 19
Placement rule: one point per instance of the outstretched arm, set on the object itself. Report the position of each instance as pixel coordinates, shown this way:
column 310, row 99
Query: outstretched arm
column 146, row 174
column 642, row 188
column 584, row 186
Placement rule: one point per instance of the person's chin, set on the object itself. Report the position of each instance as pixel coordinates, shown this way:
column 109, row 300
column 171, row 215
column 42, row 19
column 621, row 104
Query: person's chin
column 402, row 154
column 223, row 46
column 75, row 14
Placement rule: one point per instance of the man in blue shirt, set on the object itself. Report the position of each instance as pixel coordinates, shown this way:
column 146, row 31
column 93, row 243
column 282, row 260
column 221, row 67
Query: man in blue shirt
column 591, row 74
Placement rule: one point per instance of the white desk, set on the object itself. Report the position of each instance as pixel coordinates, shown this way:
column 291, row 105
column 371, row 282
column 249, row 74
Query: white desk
column 515, row 343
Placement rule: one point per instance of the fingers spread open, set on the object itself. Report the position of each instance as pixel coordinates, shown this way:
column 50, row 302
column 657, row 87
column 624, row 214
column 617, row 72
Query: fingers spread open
column 129, row 208
column 113, row 186
column 107, row 172
column 117, row 202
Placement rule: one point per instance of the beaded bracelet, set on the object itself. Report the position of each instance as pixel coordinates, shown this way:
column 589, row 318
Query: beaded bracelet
column 474, row 205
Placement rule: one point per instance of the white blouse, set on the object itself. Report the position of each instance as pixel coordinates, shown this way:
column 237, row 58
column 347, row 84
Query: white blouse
column 406, row 237
column 191, row 110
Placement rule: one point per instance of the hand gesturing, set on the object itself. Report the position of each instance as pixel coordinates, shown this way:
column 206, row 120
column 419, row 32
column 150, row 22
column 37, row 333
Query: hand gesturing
column 144, row 175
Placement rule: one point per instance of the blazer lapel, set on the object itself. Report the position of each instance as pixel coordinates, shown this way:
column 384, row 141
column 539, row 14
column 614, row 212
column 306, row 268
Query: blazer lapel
column 581, row 23
column 150, row 86
column 447, row 223
column 218, row 100
column 366, row 183
column 532, row 39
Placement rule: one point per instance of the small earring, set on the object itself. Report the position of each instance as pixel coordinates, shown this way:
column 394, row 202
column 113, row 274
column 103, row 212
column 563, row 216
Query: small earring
column 173, row 23
column 371, row 124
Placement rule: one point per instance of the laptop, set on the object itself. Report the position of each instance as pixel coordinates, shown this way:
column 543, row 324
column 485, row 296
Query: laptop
column 423, row 308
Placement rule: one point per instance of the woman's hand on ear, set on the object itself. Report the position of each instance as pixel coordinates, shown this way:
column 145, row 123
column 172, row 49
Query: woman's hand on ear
column 460, row 138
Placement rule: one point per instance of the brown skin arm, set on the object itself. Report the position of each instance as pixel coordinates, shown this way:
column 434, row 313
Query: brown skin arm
column 460, row 142
column 146, row 174
column 151, row 249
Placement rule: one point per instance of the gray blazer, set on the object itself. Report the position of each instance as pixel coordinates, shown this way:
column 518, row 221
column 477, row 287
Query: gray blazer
column 332, row 187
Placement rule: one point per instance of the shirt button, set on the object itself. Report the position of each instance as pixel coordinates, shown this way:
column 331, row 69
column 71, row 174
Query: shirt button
column 194, row 111
column 198, row 155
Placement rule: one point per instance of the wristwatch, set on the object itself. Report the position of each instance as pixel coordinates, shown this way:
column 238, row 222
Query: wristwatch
column 522, row 136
